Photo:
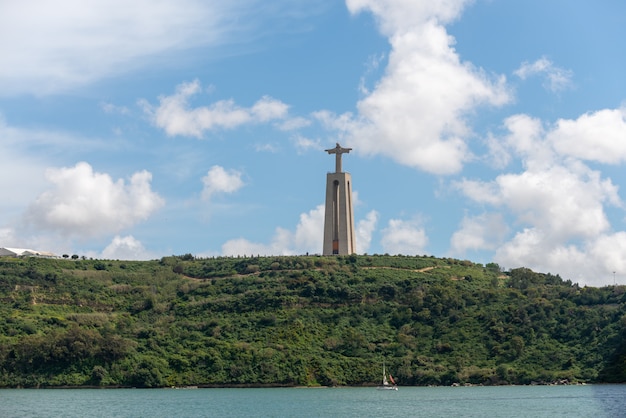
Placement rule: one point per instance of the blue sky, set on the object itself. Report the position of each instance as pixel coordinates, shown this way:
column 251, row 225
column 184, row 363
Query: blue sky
column 486, row 130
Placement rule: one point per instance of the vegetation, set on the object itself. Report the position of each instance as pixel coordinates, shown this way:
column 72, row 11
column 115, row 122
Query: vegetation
column 301, row 321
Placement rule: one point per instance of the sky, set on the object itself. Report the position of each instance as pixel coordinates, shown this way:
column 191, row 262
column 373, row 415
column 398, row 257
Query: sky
column 486, row 130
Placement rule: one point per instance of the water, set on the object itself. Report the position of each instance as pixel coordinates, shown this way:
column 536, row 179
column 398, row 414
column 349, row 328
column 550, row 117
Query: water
column 501, row 401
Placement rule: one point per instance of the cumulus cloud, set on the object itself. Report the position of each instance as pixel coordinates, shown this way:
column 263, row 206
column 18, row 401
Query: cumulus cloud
column 310, row 231
column 591, row 262
column 87, row 203
column 364, row 230
column 607, row 253
column 25, row 155
column 219, row 180
column 243, row 246
column 597, row 136
column 406, row 237
column 125, row 248
column 525, row 140
column 403, row 15
column 175, row 115
column 416, row 114
column 531, row 247
column 556, row 79
column 564, row 202
column 482, row 232
column 557, row 202
column 307, row 237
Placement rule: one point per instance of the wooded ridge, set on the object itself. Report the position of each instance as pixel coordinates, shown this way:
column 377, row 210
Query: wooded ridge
column 302, row 320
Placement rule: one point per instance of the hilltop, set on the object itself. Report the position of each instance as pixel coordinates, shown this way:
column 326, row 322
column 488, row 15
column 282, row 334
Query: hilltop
column 302, row 321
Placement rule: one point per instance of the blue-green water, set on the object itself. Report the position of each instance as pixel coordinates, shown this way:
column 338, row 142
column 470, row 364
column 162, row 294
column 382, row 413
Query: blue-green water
column 502, row 401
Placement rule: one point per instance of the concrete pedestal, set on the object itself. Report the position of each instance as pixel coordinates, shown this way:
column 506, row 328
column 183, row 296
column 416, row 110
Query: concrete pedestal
column 339, row 215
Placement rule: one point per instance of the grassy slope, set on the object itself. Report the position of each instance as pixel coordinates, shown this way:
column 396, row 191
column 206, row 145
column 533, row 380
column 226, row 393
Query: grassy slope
column 301, row 321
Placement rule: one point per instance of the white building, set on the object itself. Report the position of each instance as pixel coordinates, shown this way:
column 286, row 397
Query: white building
column 25, row 252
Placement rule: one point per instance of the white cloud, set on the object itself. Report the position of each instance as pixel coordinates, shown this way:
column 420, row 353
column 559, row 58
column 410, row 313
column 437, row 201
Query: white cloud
column 266, row 148
column 293, row 124
column 404, row 237
column 50, row 47
column 557, row 202
column 599, row 136
column 403, row 15
column 565, row 202
column 364, row 230
column 371, row 66
column 218, row 180
column 176, row 117
column 7, row 237
column 26, row 154
column 310, row 231
column 589, row 263
column 22, row 138
column 243, row 247
column 267, row 109
column 557, row 79
column 307, row 238
column 304, row 144
column 416, row 113
column 482, row 232
column 126, row 248
column 498, row 155
column 526, row 140
column 111, row 108
column 608, row 253
column 20, row 183
column 87, row 203
column 479, row 191
column 533, row 248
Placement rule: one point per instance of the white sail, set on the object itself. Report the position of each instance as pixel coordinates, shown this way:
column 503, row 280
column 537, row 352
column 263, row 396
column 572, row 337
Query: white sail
column 386, row 385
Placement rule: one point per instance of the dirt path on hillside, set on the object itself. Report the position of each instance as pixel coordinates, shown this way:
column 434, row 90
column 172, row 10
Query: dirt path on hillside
column 413, row 270
column 256, row 273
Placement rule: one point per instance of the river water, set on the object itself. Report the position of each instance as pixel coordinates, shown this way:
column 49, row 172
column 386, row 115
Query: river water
column 499, row 401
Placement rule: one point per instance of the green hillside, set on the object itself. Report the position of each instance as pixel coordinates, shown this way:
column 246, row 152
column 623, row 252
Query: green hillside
column 301, row 321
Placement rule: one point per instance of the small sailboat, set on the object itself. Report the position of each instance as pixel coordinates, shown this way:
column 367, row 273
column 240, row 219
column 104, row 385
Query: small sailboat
column 388, row 384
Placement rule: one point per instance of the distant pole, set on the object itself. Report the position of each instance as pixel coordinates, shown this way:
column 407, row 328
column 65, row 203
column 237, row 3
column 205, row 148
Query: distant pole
column 613, row 278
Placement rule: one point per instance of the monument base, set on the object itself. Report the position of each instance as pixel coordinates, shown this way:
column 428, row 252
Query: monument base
column 338, row 218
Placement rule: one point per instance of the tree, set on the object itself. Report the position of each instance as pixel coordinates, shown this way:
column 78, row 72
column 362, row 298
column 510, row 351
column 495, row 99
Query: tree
column 98, row 374
column 493, row 267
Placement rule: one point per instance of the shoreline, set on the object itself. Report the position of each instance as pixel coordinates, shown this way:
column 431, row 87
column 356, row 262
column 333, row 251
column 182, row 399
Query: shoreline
column 286, row 386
